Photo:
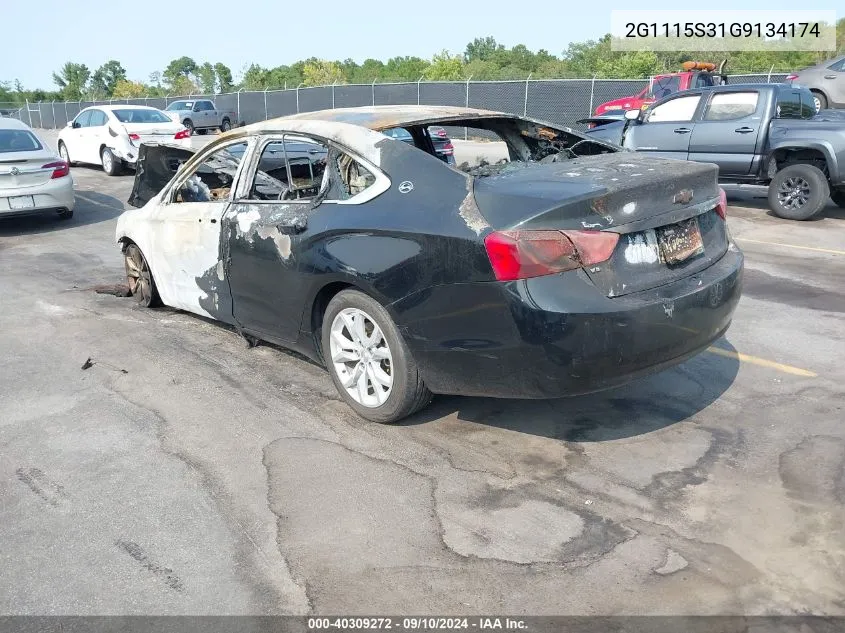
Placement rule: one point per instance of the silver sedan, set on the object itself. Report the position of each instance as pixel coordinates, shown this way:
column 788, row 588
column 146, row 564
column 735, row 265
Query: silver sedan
column 33, row 179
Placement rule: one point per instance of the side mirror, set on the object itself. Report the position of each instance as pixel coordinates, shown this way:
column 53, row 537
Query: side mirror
column 76, row 125
column 196, row 108
column 633, row 115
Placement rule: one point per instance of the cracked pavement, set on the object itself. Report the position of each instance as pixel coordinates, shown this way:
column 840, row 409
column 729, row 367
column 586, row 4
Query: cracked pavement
column 185, row 473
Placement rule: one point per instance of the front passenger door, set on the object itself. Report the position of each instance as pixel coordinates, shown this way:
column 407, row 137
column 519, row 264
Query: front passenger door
column 188, row 264
column 666, row 129
column 727, row 132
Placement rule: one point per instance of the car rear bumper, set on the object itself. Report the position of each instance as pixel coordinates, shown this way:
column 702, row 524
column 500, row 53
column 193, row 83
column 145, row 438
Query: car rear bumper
column 557, row 335
column 54, row 195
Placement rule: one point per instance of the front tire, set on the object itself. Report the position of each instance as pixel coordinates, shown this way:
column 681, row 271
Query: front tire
column 142, row 286
column 798, row 192
column 190, row 125
column 64, row 154
column 112, row 165
column 369, row 363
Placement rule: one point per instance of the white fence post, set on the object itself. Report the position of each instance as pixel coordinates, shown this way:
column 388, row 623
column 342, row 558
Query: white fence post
column 525, row 103
column 297, row 98
column 592, row 92
column 335, row 81
column 28, row 113
column 769, row 78
column 373, row 88
column 467, row 105
column 67, row 118
column 266, row 113
column 53, row 108
column 418, row 89
column 239, row 104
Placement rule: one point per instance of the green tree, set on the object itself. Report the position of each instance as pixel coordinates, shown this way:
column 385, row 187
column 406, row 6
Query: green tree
column 183, row 86
column 125, row 89
column 181, row 68
column 319, row 72
column 105, row 78
column 224, row 77
column 404, row 68
column 206, row 78
column 445, row 67
column 71, row 80
column 482, row 49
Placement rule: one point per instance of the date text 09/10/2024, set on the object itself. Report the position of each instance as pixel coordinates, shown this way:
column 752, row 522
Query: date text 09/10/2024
column 415, row 623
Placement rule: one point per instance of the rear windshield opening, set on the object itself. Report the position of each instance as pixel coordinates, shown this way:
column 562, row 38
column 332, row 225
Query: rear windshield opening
column 140, row 116
column 487, row 147
column 180, row 105
column 18, row 141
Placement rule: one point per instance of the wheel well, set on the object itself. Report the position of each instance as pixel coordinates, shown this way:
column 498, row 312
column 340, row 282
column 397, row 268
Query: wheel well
column 785, row 157
column 318, row 309
column 225, row 118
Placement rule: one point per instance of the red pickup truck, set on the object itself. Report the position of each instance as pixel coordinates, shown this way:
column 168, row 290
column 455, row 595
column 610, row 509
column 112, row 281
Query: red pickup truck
column 693, row 75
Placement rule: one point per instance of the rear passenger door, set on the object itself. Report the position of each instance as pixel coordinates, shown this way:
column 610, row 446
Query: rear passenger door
column 209, row 116
column 727, row 131
column 667, row 128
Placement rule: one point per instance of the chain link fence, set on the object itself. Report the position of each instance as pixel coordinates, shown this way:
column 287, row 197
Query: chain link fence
column 558, row 101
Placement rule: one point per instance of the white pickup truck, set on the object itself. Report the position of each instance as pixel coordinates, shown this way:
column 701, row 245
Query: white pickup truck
column 200, row 115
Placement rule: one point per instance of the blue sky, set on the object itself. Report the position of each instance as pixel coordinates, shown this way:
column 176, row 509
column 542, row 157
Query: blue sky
column 144, row 35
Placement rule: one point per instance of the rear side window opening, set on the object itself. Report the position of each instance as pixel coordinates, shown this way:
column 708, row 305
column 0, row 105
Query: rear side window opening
column 18, row 141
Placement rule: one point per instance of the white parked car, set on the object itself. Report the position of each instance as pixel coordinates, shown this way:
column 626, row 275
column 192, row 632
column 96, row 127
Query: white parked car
column 33, row 179
column 111, row 135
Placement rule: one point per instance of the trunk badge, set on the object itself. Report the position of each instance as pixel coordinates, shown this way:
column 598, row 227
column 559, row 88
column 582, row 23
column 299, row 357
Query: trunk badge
column 15, row 171
column 683, row 196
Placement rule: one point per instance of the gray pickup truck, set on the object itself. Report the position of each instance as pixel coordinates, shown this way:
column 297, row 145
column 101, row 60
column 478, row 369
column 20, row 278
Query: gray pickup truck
column 201, row 115
column 767, row 134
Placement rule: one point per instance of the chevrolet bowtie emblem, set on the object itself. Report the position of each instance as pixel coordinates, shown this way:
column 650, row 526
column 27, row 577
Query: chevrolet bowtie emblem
column 15, row 171
column 682, row 197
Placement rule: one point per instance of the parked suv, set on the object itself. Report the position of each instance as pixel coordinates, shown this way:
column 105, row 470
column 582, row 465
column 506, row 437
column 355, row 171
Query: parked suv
column 826, row 81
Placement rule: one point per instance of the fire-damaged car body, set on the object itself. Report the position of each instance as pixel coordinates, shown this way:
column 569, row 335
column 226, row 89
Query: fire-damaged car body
column 572, row 267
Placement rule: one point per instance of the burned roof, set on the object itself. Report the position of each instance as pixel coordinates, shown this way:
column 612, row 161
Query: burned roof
column 385, row 117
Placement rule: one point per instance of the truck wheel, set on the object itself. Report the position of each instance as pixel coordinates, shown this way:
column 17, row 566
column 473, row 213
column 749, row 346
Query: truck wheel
column 838, row 197
column 225, row 126
column 821, row 101
column 190, row 125
column 798, row 192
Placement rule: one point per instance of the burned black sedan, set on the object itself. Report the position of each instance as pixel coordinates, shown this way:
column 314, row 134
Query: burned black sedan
column 566, row 268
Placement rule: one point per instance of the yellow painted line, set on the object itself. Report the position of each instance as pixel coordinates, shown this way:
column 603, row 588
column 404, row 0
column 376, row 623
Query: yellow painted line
column 805, row 248
column 762, row 362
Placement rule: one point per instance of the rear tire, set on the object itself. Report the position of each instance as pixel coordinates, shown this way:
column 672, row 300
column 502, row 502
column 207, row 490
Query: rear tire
column 112, row 165
column 821, row 101
column 65, row 214
column 798, row 192
column 190, row 125
column 372, row 357
column 225, row 126
column 838, row 197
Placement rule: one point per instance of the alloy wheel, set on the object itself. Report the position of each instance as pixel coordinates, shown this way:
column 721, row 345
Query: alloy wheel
column 138, row 275
column 361, row 357
column 793, row 193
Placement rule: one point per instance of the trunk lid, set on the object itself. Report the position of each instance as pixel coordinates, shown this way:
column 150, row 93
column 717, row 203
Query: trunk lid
column 156, row 166
column 634, row 195
column 25, row 169
column 152, row 132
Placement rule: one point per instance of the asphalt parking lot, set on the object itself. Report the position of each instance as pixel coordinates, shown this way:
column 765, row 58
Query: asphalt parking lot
column 184, row 473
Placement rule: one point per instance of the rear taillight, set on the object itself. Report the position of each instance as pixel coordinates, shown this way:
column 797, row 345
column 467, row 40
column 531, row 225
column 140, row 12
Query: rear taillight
column 186, row 133
column 590, row 126
column 60, row 169
column 524, row 254
column 722, row 205
column 441, row 133
column 134, row 137
column 791, row 77
column 448, row 149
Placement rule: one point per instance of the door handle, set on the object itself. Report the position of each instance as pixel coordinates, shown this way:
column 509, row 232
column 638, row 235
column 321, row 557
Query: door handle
column 830, row 76
column 744, row 130
column 682, row 130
